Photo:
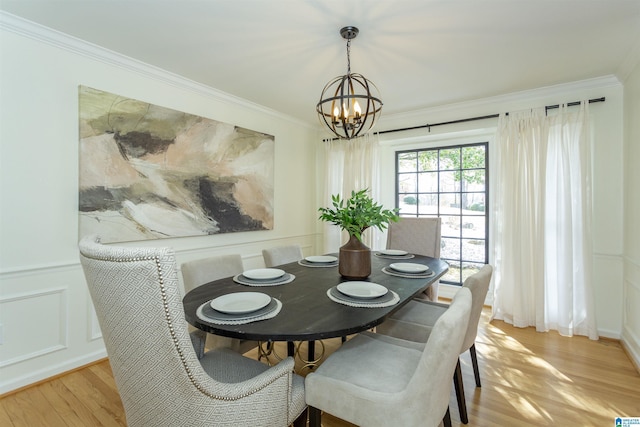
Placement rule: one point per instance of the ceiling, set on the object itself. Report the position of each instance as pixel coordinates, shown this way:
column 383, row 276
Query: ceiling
column 419, row 53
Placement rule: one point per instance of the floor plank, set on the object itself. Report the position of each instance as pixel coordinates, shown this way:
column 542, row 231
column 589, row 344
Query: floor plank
column 528, row 379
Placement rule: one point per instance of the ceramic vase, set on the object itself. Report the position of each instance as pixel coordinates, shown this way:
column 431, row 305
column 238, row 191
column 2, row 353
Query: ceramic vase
column 354, row 260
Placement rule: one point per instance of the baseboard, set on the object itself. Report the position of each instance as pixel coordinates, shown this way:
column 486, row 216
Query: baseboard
column 631, row 345
column 42, row 375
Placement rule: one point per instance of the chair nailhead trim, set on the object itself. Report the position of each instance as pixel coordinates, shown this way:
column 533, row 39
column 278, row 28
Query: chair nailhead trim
column 174, row 338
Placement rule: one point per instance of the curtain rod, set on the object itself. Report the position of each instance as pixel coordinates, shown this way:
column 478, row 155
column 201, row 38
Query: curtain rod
column 491, row 116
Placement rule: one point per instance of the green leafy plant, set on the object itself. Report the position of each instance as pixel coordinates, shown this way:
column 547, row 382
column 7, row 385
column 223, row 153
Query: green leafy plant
column 357, row 213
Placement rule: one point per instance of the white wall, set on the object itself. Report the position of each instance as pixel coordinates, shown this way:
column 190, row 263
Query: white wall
column 48, row 325
column 631, row 326
column 607, row 160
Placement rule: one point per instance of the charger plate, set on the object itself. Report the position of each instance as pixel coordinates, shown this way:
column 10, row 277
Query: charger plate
column 396, row 257
column 392, row 272
column 409, row 267
column 306, row 263
column 206, row 313
column 240, row 302
column 362, row 290
column 263, row 274
column 286, row 278
column 388, row 299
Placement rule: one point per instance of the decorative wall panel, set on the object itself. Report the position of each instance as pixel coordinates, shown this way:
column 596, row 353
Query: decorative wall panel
column 42, row 328
column 149, row 172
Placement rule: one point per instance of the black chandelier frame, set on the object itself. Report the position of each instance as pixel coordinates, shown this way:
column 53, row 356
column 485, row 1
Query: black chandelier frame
column 339, row 109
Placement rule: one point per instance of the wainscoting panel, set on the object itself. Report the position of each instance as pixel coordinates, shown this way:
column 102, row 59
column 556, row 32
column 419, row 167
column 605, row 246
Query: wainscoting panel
column 30, row 337
column 631, row 327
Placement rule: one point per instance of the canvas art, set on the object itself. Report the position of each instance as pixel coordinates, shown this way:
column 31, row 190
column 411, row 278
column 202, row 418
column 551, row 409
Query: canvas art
column 149, row 172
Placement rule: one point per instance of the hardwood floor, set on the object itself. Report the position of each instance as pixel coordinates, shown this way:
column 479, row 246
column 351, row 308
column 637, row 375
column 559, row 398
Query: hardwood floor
column 528, row 379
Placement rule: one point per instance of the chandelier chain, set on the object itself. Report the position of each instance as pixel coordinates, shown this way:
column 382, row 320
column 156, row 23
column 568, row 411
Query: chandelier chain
column 349, row 56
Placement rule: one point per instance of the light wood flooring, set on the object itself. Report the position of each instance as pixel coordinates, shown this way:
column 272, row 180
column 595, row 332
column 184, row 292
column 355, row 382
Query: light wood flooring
column 528, row 379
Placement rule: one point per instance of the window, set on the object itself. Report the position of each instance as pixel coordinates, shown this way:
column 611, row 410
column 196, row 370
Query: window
column 450, row 183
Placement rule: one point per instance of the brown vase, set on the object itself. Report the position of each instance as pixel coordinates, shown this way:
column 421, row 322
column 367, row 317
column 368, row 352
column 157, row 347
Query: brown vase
column 355, row 259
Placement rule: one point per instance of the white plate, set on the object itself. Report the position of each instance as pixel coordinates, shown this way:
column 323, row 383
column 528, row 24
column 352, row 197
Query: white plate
column 321, row 258
column 263, row 273
column 240, row 302
column 362, row 289
column 394, row 252
column 409, row 267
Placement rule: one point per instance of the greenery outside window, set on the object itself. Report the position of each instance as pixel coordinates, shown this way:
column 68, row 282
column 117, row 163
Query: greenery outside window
column 451, row 183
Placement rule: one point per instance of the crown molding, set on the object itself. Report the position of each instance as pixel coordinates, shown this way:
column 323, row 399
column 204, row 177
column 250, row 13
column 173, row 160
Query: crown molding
column 490, row 104
column 32, row 30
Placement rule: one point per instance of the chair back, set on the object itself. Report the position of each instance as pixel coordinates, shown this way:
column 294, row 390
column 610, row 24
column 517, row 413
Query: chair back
column 419, row 236
column 160, row 379
column 431, row 382
column 282, row 255
column 478, row 284
column 205, row 270
column 197, row 273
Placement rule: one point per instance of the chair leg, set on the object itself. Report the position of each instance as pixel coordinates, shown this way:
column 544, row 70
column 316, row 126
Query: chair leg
column 311, row 351
column 447, row 418
column 301, row 421
column 315, row 417
column 474, row 362
column 457, row 382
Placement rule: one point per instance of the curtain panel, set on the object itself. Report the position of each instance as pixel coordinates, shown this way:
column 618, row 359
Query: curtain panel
column 543, row 250
column 352, row 165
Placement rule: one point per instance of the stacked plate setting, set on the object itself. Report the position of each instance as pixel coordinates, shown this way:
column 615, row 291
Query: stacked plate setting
column 264, row 277
column 365, row 290
column 394, row 254
column 319, row 261
column 408, row 269
column 240, row 302
column 361, row 293
column 240, row 307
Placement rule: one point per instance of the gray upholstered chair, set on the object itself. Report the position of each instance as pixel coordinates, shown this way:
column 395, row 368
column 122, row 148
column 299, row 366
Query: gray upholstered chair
column 161, row 380
column 282, row 255
column 198, row 272
column 378, row 380
column 415, row 322
column 419, row 236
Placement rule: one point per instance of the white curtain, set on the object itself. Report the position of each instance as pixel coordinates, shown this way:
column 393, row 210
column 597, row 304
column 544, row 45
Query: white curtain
column 543, row 274
column 351, row 165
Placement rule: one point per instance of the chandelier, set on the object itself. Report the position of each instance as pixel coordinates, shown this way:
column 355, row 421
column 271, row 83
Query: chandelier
column 347, row 105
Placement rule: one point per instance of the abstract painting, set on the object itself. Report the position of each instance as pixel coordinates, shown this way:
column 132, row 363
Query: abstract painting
column 149, row 172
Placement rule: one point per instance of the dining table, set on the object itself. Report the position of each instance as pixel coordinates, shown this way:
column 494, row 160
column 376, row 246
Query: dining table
column 310, row 308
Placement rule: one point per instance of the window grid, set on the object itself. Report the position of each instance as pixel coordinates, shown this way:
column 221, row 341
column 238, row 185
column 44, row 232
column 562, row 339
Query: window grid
column 431, row 183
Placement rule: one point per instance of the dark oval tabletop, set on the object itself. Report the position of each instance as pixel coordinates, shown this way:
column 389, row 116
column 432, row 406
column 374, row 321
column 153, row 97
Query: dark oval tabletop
column 307, row 313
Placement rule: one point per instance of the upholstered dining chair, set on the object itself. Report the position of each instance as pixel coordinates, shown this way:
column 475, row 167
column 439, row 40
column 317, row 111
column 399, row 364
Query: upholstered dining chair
column 415, row 322
column 198, row 272
column 378, row 380
column 418, row 236
column 282, row 255
column 161, row 379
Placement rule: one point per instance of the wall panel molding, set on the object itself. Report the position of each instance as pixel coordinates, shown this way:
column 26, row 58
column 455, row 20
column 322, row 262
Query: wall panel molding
column 23, row 271
column 57, row 329
column 632, row 273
